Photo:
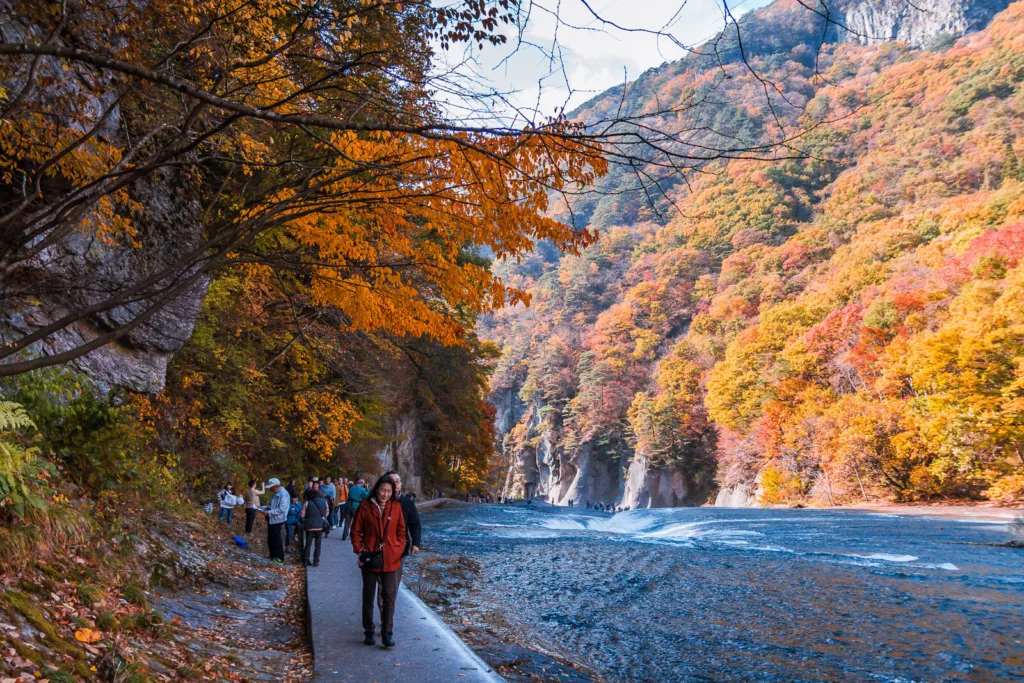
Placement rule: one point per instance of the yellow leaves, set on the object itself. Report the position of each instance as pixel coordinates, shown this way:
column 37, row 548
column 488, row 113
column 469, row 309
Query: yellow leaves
column 325, row 421
column 87, row 635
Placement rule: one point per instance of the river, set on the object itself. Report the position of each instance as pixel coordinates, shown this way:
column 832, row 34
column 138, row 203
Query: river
column 705, row 594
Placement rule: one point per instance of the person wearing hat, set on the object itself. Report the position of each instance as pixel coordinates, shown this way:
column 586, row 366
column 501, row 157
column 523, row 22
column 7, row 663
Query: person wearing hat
column 277, row 515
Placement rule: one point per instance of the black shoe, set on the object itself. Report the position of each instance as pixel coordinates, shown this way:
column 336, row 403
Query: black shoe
column 308, row 563
column 388, row 640
column 316, row 563
column 369, row 638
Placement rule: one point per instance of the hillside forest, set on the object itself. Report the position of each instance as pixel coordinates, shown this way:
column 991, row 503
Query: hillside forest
column 838, row 328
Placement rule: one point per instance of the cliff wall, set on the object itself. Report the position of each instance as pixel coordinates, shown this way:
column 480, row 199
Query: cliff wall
column 916, row 23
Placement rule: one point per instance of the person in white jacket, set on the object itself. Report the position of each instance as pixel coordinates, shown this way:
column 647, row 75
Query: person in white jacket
column 226, row 498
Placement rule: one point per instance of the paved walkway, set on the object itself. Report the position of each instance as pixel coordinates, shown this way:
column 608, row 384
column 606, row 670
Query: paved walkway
column 426, row 650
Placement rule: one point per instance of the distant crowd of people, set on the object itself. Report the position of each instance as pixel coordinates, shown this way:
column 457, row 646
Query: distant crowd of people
column 604, row 507
column 571, row 502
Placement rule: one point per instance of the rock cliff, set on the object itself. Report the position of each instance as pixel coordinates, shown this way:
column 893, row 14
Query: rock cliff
column 83, row 269
column 917, row 23
column 403, row 451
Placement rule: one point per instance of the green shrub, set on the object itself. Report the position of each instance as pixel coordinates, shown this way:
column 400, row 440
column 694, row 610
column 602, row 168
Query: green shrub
column 90, row 594
column 135, row 595
column 106, row 621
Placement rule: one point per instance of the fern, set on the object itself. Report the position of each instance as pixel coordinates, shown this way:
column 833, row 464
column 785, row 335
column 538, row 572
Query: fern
column 17, row 463
column 13, row 416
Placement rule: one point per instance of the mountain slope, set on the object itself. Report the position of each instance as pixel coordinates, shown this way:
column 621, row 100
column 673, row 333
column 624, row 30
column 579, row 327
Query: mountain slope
column 842, row 327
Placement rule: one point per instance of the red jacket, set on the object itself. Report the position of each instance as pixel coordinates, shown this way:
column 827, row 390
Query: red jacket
column 369, row 526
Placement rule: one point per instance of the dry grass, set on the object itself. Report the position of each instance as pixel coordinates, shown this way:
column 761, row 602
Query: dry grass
column 58, row 531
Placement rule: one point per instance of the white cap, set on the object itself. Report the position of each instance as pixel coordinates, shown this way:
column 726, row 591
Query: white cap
column 273, row 481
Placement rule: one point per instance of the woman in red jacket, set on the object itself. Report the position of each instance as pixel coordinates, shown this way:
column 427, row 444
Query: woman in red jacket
column 378, row 537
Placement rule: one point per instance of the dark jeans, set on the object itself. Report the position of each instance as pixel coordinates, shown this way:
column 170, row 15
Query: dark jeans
column 348, row 513
column 291, row 532
column 336, row 514
column 275, row 542
column 312, row 537
column 389, row 589
column 225, row 512
column 250, row 519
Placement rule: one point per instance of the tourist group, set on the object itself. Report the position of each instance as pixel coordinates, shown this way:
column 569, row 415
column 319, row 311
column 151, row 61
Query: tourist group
column 383, row 524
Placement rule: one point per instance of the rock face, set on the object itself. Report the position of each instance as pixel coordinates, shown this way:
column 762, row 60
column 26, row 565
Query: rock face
column 85, row 269
column 734, row 497
column 82, row 270
column 659, row 487
column 876, row 21
column 402, row 452
column 538, row 466
column 508, row 409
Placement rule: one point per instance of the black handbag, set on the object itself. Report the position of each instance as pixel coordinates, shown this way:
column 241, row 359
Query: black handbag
column 374, row 559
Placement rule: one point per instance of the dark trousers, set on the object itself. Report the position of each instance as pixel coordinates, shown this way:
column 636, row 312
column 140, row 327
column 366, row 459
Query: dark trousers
column 250, row 519
column 389, row 589
column 274, row 541
column 311, row 538
column 398, row 582
column 348, row 514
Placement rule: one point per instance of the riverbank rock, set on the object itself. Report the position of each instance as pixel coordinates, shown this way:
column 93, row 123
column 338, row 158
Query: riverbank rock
column 734, row 497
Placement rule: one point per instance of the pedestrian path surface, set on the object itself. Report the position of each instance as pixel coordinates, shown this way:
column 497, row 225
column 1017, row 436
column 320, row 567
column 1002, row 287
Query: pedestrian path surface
column 426, row 650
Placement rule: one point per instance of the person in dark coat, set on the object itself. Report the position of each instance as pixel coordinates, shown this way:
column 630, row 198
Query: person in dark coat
column 379, row 527
column 411, row 514
column 314, row 518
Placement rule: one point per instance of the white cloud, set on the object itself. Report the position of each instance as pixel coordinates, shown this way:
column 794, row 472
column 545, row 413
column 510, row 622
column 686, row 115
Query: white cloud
column 591, row 57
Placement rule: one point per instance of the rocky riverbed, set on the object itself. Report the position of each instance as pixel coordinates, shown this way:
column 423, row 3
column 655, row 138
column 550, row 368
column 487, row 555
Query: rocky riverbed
column 727, row 595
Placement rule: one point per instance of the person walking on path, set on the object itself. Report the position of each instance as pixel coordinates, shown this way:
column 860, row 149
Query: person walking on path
column 330, row 493
column 356, row 495
column 338, row 513
column 277, row 515
column 292, row 523
column 314, row 518
column 378, row 538
column 226, row 498
column 252, row 504
column 413, row 536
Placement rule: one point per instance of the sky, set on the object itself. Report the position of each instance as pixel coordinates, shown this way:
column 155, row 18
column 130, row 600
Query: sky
column 589, row 57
